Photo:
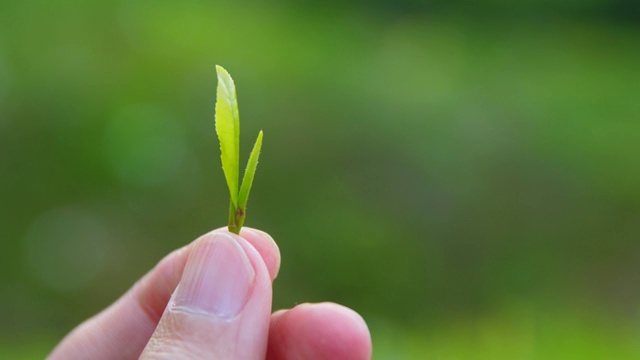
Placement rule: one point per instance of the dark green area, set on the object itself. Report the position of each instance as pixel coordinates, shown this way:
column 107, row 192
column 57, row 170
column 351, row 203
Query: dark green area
column 465, row 176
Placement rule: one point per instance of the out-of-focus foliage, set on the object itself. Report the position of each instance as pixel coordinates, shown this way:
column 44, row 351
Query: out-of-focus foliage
column 465, row 175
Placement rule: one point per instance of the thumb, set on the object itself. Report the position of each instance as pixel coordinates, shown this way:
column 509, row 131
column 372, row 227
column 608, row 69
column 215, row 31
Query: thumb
column 221, row 307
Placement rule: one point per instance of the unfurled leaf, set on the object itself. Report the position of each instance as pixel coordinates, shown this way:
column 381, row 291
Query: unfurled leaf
column 228, row 130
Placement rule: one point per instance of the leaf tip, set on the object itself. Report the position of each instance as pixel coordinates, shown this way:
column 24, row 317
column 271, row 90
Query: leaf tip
column 225, row 80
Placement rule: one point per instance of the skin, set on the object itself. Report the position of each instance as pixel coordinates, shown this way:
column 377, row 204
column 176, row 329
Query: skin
column 141, row 325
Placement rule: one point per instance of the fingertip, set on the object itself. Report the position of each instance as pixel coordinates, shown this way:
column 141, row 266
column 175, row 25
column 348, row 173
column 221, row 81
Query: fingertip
column 266, row 246
column 319, row 331
column 346, row 330
column 221, row 307
column 263, row 243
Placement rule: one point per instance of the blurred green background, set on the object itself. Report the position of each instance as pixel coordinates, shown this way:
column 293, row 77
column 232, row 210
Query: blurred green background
column 464, row 174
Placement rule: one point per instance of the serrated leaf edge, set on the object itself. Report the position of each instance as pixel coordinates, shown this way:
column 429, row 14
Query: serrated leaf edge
column 249, row 173
column 226, row 93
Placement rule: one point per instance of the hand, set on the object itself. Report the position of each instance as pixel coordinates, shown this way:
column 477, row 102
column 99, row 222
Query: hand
column 220, row 309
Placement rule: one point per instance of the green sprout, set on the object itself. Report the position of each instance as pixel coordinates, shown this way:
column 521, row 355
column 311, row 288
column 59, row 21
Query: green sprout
column 228, row 130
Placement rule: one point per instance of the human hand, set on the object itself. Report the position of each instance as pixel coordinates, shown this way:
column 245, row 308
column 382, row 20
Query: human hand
column 220, row 309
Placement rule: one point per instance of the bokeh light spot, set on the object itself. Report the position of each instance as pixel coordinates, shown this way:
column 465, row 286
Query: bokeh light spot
column 66, row 249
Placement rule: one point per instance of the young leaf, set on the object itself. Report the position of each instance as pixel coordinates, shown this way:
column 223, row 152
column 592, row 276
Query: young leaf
column 249, row 172
column 228, row 130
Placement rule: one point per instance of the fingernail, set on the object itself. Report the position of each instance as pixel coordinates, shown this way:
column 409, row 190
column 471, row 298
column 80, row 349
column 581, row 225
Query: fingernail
column 217, row 278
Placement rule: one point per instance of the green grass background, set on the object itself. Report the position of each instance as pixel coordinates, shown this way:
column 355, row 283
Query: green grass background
column 465, row 175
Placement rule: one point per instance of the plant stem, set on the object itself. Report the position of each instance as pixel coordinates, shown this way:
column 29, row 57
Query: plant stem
column 236, row 219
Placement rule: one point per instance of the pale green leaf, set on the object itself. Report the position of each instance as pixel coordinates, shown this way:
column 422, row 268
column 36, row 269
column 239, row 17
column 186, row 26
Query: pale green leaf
column 249, row 173
column 228, row 130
